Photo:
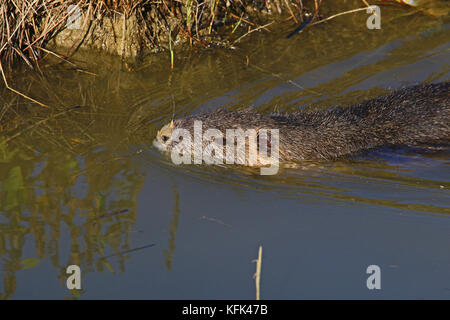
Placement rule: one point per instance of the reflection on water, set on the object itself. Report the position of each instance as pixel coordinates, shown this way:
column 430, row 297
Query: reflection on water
column 72, row 179
column 173, row 228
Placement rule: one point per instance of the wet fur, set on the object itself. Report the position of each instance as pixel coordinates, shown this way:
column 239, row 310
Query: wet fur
column 415, row 116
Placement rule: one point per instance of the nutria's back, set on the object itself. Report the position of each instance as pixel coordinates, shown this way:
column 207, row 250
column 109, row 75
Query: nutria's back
column 415, row 116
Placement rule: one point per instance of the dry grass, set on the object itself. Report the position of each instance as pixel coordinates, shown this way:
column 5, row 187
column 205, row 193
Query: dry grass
column 26, row 26
column 30, row 29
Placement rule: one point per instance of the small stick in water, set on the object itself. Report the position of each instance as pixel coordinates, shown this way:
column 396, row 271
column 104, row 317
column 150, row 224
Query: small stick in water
column 257, row 274
column 301, row 27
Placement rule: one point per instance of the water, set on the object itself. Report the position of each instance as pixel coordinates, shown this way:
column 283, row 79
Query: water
column 85, row 187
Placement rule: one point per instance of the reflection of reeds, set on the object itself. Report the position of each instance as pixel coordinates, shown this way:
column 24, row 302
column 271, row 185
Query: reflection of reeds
column 169, row 253
column 48, row 208
column 47, row 204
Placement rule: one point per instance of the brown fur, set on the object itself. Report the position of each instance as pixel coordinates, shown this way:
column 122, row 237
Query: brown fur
column 415, row 116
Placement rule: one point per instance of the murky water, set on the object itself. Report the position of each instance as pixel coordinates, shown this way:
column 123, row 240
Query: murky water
column 84, row 186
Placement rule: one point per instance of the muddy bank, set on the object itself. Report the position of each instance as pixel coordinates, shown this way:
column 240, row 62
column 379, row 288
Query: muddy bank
column 130, row 28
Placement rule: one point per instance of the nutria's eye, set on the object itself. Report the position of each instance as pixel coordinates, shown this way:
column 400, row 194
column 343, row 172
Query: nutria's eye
column 165, row 138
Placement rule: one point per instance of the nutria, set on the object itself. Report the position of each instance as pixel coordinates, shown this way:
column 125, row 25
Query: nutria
column 414, row 116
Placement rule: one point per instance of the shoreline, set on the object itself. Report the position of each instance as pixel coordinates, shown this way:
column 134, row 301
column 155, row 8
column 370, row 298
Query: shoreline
column 131, row 30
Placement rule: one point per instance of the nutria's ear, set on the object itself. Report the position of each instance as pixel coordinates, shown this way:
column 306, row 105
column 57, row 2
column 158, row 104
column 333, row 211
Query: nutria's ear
column 171, row 124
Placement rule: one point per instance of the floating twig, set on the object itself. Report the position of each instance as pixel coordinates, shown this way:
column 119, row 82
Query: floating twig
column 215, row 220
column 301, row 27
column 128, row 251
column 112, row 214
column 337, row 15
column 251, row 31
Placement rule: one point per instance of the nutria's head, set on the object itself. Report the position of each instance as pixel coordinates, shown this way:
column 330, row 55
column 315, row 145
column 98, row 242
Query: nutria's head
column 219, row 138
column 177, row 133
column 163, row 137
column 222, row 120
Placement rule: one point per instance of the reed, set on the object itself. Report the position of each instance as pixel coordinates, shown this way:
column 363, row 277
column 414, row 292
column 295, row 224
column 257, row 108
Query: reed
column 28, row 26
